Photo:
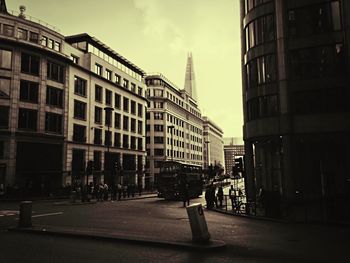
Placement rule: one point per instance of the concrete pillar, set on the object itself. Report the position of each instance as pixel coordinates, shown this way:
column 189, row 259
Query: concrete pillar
column 249, row 172
column 25, row 214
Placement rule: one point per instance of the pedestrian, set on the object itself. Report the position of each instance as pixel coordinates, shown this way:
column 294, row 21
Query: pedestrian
column 208, row 197
column 120, row 190
column 105, row 192
column 124, row 191
column 220, row 195
column 113, row 192
column 213, row 196
column 232, row 195
column 184, row 190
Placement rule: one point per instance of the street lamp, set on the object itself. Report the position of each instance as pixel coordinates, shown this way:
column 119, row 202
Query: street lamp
column 171, row 127
column 108, row 120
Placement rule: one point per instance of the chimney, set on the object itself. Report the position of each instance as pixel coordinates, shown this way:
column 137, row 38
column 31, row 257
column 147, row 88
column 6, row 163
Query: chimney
column 22, row 9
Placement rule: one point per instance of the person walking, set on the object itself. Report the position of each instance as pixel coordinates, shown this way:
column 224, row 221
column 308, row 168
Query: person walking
column 220, row 195
column 232, row 195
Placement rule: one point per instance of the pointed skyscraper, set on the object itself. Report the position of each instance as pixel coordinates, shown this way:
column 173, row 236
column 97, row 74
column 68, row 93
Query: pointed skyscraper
column 3, row 8
column 190, row 81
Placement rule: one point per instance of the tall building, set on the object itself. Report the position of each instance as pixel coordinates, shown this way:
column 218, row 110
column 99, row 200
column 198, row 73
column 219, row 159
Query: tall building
column 66, row 102
column 174, row 126
column 295, row 61
column 213, row 147
column 233, row 148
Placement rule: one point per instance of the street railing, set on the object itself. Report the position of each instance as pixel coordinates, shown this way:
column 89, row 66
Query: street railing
column 236, row 205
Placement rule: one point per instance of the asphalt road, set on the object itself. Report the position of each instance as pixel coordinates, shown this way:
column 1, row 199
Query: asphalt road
column 248, row 240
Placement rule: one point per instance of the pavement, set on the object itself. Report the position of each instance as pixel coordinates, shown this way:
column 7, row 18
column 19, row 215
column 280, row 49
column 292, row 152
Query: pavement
column 98, row 233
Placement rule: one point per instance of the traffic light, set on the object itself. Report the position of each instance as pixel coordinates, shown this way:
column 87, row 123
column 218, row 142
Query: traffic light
column 89, row 167
column 239, row 165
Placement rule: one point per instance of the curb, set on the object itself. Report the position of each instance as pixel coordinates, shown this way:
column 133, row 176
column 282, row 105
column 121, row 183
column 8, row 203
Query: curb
column 211, row 245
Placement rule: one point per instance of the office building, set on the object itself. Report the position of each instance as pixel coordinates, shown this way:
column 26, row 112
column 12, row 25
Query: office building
column 233, row 148
column 295, row 61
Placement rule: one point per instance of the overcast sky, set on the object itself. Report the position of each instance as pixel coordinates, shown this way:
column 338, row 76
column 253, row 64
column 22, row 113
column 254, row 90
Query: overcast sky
column 156, row 35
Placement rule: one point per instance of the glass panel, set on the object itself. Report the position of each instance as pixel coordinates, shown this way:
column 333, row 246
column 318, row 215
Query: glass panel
column 336, row 15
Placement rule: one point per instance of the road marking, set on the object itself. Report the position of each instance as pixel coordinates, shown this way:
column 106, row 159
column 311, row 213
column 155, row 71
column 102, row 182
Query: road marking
column 50, row 214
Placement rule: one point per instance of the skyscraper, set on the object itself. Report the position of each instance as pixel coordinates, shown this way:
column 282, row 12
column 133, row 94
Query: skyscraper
column 296, row 106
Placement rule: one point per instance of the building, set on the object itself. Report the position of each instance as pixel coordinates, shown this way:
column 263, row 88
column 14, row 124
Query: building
column 233, row 148
column 66, row 102
column 213, row 148
column 295, row 62
column 174, row 123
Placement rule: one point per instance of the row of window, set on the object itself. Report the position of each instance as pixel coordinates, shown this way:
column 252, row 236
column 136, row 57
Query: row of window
column 250, row 4
column 261, row 70
column 260, row 31
column 28, row 120
column 125, row 141
column 264, row 106
column 314, row 19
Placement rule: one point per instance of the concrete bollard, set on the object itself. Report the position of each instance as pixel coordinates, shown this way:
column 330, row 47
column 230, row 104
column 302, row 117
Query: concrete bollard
column 25, row 214
column 73, row 196
column 198, row 223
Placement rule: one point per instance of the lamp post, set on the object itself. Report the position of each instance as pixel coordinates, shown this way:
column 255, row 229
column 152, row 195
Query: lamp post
column 171, row 127
column 108, row 120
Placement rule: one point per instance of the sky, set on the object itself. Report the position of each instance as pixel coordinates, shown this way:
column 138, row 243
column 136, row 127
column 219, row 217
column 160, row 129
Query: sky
column 156, row 35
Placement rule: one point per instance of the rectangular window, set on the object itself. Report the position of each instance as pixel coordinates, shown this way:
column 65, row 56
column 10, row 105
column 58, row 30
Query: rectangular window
column 139, row 110
column 158, row 140
column 139, row 127
column 4, row 117
column 5, row 84
column 54, row 97
column 140, row 91
column 57, row 46
column 117, row 139
column 5, row 59
column 50, row 43
column 53, row 122
column 126, row 104
column 44, row 41
column 133, row 142
column 98, row 93
column 79, row 132
column 30, row 64
column 79, row 86
column 108, row 97
column 117, row 79
column 117, row 119
column 125, row 141
column 75, row 59
column 98, row 115
column 22, row 34
column 108, row 138
column 55, row 71
column 158, row 105
column 125, row 123
column 29, row 91
column 79, row 109
column 27, row 119
column 108, row 74
column 133, row 107
column 97, row 136
column 97, row 160
column 132, row 125
column 158, row 116
column 98, row 69
column 34, row 37
column 159, row 128
column 133, row 87
column 158, row 152
column 108, row 118
column 139, row 144
column 117, row 101
column 125, row 83
column 8, row 30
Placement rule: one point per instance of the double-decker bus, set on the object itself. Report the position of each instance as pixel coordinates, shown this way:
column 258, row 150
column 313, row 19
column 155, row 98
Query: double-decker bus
column 173, row 173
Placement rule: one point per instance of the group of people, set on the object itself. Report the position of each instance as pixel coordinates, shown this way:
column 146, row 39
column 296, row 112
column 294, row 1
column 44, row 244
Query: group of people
column 215, row 198
column 104, row 192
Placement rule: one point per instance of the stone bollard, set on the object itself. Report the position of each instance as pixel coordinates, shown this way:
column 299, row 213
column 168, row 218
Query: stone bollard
column 198, row 223
column 25, row 214
column 73, row 196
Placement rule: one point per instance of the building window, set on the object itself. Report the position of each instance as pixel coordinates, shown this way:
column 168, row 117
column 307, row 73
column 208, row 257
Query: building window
column 108, row 74
column 34, row 37
column 139, row 127
column 158, row 140
column 133, row 142
column 117, row 139
column 125, row 104
column 79, row 109
column 50, row 43
column 30, row 64
column 158, row 105
column 264, row 106
column 117, row 79
column 108, row 138
column 5, row 59
column 117, row 119
column 44, row 41
column 140, row 91
column 117, row 101
column 57, row 46
column 158, row 116
column 5, row 84
column 125, row 123
column 125, row 141
column 98, row 93
column 97, row 160
column 53, row 122
column 125, row 83
column 79, row 86
column 98, row 69
column 75, row 59
column 158, row 152
column 261, row 70
column 139, row 110
column 139, row 144
column 133, row 87
column 22, row 33
column 29, row 91
column 108, row 118
column 79, row 132
column 98, row 115
column 158, row 92
column 108, row 97
column 132, row 125
column 55, row 72
column 97, row 136
column 133, row 107
column 54, row 97
column 8, row 30
column 27, row 119
column 4, row 117
column 158, row 128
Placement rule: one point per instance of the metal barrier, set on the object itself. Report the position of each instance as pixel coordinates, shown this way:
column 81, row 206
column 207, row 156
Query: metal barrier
column 236, row 205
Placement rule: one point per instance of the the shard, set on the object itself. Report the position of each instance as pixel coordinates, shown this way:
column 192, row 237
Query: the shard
column 190, row 81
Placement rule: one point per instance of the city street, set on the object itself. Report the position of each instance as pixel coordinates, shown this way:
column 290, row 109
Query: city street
column 248, row 240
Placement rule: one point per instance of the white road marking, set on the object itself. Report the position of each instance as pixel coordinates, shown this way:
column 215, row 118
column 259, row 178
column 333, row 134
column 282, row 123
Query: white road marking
column 50, row 214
